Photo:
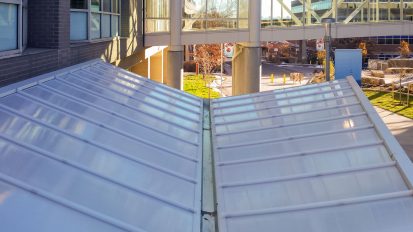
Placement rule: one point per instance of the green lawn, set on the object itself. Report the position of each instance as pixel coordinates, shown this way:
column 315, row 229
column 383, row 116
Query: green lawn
column 385, row 101
column 195, row 85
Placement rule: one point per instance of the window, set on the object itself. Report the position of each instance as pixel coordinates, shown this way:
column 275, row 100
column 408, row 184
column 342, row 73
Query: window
column 94, row 19
column 156, row 15
column 215, row 15
column 273, row 13
column 10, row 26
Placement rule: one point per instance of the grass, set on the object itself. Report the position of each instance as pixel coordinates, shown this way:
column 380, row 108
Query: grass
column 385, row 101
column 196, row 85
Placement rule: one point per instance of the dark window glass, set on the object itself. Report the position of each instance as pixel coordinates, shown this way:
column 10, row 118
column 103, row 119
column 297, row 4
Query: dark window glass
column 115, row 6
column 396, row 40
column 106, row 5
column 78, row 4
column 95, row 5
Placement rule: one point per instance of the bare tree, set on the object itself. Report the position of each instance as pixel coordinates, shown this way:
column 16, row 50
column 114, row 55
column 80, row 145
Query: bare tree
column 321, row 56
column 363, row 47
column 404, row 49
column 208, row 56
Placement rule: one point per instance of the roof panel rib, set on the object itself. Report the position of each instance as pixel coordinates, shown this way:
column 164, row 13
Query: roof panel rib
column 95, row 148
column 112, row 152
column 314, row 158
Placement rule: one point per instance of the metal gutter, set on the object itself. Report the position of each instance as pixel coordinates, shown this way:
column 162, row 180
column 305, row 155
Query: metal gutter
column 209, row 210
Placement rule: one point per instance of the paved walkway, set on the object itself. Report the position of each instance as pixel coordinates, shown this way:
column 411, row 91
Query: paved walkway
column 401, row 127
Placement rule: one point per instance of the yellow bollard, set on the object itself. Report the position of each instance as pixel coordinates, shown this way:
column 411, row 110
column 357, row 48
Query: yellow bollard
column 272, row 78
column 284, row 78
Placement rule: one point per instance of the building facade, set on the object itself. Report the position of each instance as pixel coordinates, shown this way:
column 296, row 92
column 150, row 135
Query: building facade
column 38, row 36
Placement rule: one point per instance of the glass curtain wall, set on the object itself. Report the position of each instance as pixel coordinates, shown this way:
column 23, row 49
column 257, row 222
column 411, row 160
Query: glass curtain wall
column 157, row 16
column 278, row 13
column 299, row 12
column 215, row 14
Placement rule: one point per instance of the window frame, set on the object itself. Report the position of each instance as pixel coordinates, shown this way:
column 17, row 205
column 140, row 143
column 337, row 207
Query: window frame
column 19, row 41
column 89, row 12
column 166, row 19
column 206, row 20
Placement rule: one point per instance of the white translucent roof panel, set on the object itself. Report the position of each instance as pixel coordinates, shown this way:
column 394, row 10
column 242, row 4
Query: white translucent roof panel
column 315, row 158
column 111, row 152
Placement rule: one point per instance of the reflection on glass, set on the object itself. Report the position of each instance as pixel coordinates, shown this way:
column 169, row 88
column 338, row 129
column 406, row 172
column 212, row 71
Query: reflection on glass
column 276, row 14
column 78, row 26
column 297, row 12
column 222, row 8
column 243, row 9
column 95, row 5
column 115, row 6
column 157, row 15
column 78, row 4
column 95, row 26
column 106, row 5
column 8, row 27
column 348, row 124
column 105, row 26
column 215, row 14
column 115, row 25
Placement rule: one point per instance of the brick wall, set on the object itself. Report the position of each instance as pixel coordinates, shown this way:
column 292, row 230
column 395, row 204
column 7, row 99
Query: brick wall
column 28, row 65
column 49, row 45
column 49, row 23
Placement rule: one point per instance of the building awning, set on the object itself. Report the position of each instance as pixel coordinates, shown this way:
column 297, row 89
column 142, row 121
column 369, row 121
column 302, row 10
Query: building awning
column 95, row 148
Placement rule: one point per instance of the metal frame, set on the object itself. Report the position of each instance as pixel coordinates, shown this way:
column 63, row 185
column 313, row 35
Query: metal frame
column 350, row 201
column 154, row 85
column 208, row 147
column 89, row 13
column 99, row 85
column 139, row 90
column 19, row 90
column 112, row 83
column 309, row 175
column 206, row 19
column 292, row 113
column 297, row 154
column 288, row 138
column 390, row 141
column 400, row 159
column 308, row 122
column 113, row 129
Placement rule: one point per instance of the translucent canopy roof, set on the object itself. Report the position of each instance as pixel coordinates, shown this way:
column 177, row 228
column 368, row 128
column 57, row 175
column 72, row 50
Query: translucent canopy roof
column 95, row 148
column 314, row 159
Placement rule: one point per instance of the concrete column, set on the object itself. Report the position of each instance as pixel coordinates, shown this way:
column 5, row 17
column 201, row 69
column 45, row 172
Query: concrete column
column 174, row 69
column 303, row 51
column 246, row 70
column 246, row 62
column 156, row 67
column 176, row 52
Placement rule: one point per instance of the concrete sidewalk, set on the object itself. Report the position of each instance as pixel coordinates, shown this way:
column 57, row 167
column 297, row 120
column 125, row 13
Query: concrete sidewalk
column 401, row 127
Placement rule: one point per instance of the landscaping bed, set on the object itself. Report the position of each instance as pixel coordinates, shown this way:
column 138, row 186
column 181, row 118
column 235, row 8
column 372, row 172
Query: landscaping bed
column 196, row 85
column 385, row 101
